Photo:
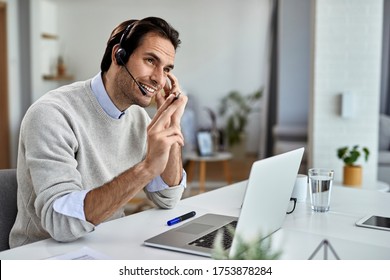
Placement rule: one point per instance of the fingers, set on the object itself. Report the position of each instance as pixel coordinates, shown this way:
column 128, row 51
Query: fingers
column 160, row 144
column 161, row 109
column 176, row 118
column 171, row 86
column 171, row 108
column 164, row 131
column 167, row 137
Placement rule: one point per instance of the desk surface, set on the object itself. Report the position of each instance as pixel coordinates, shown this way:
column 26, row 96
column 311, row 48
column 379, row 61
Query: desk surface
column 299, row 236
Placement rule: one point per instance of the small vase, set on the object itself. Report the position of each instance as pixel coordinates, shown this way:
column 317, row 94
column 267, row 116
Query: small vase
column 352, row 175
column 61, row 68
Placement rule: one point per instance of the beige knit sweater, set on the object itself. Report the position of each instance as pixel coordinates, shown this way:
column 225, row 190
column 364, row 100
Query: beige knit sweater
column 68, row 143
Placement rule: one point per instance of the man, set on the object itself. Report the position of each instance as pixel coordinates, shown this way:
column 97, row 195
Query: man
column 87, row 148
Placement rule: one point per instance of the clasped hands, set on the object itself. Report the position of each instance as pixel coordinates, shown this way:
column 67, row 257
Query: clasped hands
column 164, row 131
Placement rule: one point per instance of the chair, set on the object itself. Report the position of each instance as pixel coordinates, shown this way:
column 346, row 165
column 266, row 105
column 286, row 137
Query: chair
column 8, row 211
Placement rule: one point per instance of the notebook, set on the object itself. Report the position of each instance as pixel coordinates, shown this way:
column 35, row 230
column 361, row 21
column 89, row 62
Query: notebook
column 264, row 207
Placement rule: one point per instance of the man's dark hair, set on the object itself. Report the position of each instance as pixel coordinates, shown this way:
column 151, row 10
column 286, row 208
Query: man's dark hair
column 134, row 38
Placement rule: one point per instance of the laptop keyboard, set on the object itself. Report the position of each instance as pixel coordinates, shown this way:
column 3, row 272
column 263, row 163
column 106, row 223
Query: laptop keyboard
column 207, row 240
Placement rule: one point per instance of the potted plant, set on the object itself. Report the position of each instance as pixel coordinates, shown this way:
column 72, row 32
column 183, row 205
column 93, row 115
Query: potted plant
column 352, row 172
column 236, row 108
column 256, row 249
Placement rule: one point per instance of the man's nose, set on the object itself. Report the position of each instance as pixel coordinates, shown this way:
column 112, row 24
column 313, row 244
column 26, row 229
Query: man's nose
column 158, row 76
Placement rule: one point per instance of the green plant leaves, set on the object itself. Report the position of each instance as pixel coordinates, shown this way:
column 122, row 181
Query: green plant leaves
column 236, row 107
column 257, row 249
column 350, row 155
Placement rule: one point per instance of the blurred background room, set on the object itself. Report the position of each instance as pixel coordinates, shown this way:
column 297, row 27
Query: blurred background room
column 319, row 70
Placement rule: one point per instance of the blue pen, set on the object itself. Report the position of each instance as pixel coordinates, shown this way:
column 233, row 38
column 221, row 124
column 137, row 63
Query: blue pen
column 181, row 218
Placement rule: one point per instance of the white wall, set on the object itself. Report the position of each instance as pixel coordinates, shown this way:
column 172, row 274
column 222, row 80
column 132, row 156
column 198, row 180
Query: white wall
column 43, row 17
column 347, row 57
column 14, row 88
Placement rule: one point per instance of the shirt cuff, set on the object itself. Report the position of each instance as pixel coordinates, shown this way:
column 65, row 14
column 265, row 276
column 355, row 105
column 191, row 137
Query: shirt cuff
column 158, row 184
column 71, row 204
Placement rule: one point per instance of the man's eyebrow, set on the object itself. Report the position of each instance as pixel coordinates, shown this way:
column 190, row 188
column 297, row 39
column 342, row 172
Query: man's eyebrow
column 170, row 66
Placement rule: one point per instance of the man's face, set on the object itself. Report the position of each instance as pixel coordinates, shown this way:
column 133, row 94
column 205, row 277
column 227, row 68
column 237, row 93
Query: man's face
column 150, row 64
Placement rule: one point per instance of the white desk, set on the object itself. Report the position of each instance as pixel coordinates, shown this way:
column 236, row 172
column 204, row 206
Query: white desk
column 379, row 186
column 301, row 233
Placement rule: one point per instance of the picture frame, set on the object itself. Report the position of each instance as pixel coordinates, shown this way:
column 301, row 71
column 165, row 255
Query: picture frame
column 205, row 143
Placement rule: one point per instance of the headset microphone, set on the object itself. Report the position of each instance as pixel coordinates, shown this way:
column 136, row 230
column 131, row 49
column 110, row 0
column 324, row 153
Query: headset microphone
column 121, row 56
column 141, row 88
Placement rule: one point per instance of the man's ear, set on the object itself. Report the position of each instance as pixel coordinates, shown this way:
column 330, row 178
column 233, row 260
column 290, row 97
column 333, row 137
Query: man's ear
column 114, row 55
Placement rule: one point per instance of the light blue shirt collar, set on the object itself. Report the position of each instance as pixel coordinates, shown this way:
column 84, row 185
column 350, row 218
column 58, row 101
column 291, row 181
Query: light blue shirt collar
column 102, row 97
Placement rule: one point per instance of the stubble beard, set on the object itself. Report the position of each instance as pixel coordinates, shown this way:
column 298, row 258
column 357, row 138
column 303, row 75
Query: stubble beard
column 128, row 92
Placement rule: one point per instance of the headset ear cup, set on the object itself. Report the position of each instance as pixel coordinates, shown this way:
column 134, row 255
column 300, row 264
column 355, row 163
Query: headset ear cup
column 120, row 56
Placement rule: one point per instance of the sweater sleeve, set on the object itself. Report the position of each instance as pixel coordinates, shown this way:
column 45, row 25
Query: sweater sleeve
column 51, row 147
column 166, row 198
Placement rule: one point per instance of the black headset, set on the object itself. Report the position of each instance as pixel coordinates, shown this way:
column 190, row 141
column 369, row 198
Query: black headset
column 121, row 55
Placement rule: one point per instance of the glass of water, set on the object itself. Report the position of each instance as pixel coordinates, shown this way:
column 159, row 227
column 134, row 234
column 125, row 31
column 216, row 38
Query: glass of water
column 320, row 185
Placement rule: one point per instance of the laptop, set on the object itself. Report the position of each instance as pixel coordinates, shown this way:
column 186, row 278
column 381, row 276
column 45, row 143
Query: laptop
column 267, row 196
